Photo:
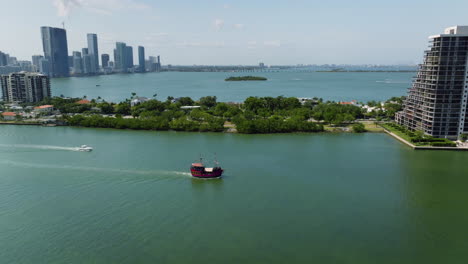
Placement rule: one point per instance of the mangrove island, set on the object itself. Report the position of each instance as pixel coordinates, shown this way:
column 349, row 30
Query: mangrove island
column 245, row 78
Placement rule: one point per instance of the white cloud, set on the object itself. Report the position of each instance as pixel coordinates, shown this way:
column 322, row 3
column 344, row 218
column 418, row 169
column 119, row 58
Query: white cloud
column 104, row 7
column 227, row 6
column 218, row 24
column 64, row 7
column 272, row 43
column 239, row 26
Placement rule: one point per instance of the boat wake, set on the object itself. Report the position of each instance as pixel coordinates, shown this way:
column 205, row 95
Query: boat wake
column 390, row 81
column 39, row 147
column 95, row 169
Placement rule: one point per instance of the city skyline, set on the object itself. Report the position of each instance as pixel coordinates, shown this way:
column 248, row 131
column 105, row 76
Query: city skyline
column 297, row 33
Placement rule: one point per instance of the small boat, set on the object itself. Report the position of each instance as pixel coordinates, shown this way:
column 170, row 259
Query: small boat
column 97, row 85
column 199, row 170
column 85, row 148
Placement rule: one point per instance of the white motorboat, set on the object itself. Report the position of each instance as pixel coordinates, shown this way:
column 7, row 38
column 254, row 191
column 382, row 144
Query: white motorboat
column 85, row 148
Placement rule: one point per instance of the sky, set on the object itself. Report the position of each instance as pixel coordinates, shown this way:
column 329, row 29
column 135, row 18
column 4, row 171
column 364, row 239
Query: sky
column 238, row 32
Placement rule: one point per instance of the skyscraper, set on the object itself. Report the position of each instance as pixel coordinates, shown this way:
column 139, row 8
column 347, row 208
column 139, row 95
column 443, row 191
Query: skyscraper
column 141, row 59
column 77, row 63
column 120, row 56
column 105, row 60
column 93, row 51
column 3, row 59
column 129, row 57
column 54, row 43
column 44, row 66
column 437, row 102
column 25, row 87
column 88, row 64
column 35, row 61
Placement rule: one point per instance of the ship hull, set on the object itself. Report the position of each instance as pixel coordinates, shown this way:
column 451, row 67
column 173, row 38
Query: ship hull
column 206, row 175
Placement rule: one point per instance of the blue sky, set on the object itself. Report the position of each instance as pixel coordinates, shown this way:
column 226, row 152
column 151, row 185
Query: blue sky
column 239, row 31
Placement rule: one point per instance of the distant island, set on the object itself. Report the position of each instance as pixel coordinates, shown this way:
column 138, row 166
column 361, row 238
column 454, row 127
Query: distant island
column 345, row 70
column 245, row 78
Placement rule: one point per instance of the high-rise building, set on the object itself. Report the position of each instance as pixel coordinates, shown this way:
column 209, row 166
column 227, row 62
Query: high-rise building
column 35, row 61
column 93, row 51
column 54, row 42
column 437, row 101
column 141, row 59
column 3, row 59
column 88, row 64
column 129, row 57
column 25, row 87
column 70, row 61
column 77, row 63
column 120, row 56
column 44, row 67
column 105, row 60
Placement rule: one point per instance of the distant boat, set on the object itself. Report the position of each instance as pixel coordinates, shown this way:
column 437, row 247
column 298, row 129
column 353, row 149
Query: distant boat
column 98, row 85
column 85, row 148
column 199, row 170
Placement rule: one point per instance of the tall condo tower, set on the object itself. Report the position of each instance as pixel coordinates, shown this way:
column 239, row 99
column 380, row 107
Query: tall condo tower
column 437, row 101
column 93, row 51
column 141, row 59
column 54, row 43
column 25, row 87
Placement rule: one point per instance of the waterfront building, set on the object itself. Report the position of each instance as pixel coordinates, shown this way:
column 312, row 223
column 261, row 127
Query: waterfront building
column 70, row 61
column 129, row 57
column 120, row 56
column 25, row 87
column 87, row 64
column 77, row 63
column 93, row 51
column 3, row 59
column 437, row 101
column 105, row 60
column 84, row 51
column 35, row 61
column 141, row 59
column 54, row 43
column 44, row 66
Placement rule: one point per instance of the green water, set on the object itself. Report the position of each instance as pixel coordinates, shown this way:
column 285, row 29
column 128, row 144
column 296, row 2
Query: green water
column 305, row 198
column 339, row 86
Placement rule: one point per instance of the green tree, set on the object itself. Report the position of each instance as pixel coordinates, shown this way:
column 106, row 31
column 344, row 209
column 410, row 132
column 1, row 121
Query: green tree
column 358, row 128
column 208, row 101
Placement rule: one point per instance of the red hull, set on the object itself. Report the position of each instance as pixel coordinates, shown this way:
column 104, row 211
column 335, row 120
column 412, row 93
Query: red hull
column 206, row 175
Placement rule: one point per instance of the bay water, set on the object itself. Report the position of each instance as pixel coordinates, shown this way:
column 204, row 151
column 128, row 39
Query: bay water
column 288, row 198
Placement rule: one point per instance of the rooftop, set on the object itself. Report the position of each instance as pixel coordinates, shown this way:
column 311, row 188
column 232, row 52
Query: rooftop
column 43, row 107
column 455, row 30
column 84, row 101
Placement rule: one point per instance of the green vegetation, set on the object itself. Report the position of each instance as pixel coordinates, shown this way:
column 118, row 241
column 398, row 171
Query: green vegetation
column 245, row 78
column 463, row 137
column 359, row 128
column 418, row 138
column 254, row 115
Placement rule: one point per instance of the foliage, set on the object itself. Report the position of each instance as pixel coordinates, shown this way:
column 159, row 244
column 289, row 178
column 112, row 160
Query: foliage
column 208, row 101
column 358, row 128
column 463, row 137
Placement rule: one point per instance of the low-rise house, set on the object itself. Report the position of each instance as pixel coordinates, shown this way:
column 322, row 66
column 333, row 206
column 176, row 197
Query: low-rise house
column 44, row 109
column 9, row 116
column 354, row 102
column 84, row 101
column 15, row 107
column 138, row 100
